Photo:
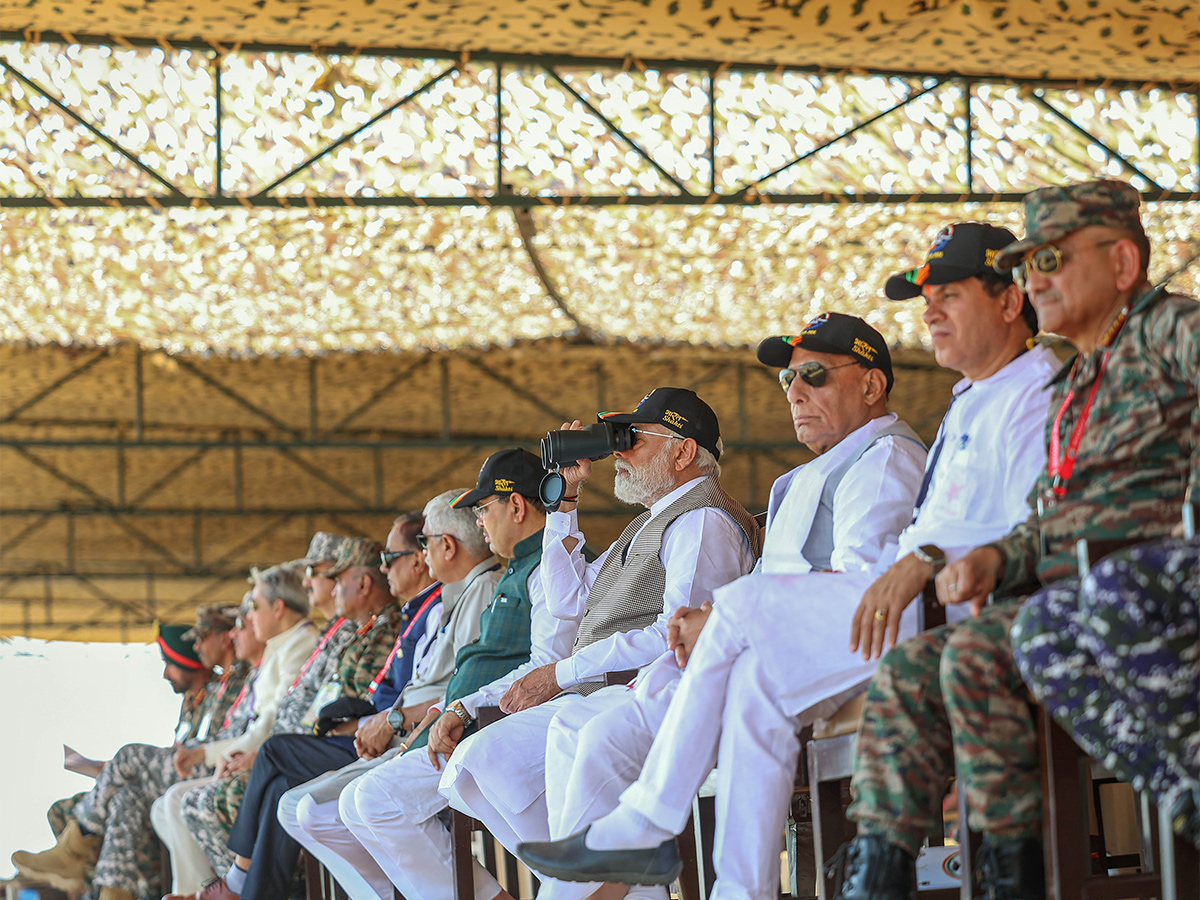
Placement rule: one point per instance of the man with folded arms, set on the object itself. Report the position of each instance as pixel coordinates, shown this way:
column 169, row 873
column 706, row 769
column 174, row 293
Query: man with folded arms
column 1122, row 440
column 692, row 538
column 276, row 636
column 770, row 657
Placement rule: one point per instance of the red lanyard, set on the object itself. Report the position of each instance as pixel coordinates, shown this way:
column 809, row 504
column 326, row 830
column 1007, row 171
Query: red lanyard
column 337, row 623
column 437, row 592
column 1062, row 466
column 236, row 703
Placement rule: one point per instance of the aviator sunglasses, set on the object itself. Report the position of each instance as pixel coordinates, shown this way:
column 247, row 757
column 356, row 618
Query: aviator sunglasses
column 812, row 373
column 1046, row 259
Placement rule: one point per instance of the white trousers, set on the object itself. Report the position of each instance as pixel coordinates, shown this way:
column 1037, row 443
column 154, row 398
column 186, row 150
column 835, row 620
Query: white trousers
column 498, row 774
column 591, row 759
column 392, row 811
column 190, row 868
column 764, row 665
column 318, row 827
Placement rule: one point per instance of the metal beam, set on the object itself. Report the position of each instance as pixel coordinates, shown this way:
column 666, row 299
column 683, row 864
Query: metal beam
column 531, row 60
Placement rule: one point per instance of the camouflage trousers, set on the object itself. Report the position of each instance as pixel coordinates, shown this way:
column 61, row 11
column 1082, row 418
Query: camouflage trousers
column 950, row 698
column 118, row 807
column 1116, row 660
column 209, row 811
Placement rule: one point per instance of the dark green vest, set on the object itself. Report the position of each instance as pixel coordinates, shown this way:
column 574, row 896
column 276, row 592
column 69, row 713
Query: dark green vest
column 504, row 629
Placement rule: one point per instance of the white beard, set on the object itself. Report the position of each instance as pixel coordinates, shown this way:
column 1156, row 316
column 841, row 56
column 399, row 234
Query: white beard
column 646, row 484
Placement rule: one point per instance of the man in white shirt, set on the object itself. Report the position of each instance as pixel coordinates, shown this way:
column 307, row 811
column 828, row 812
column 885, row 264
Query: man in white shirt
column 838, row 513
column 693, row 538
column 757, row 656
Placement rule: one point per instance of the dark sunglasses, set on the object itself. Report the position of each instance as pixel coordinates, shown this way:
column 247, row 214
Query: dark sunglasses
column 387, row 557
column 310, row 573
column 810, row 373
column 423, row 539
column 1046, row 259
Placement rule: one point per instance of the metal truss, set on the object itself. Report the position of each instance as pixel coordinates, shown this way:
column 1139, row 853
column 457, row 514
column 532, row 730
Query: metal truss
column 499, row 191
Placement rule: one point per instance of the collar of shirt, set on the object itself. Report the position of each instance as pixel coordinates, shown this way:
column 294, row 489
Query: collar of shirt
column 451, row 592
column 285, row 636
column 663, row 502
column 1016, row 369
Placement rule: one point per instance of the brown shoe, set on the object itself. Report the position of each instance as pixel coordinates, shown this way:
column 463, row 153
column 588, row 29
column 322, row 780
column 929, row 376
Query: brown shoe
column 217, row 890
column 64, row 865
column 112, row 893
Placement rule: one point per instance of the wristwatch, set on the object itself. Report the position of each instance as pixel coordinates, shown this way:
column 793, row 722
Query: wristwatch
column 461, row 711
column 932, row 554
column 395, row 720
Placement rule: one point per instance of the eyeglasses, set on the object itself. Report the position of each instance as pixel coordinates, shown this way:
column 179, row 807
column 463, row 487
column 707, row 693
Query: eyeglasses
column 642, row 431
column 478, row 510
column 810, row 373
column 423, row 539
column 387, row 557
column 310, row 573
column 1046, row 259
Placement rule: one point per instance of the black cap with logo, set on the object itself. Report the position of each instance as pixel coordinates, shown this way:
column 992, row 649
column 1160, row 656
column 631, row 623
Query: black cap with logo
column 504, row 472
column 959, row 251
column 831, row 332
column 680, row 410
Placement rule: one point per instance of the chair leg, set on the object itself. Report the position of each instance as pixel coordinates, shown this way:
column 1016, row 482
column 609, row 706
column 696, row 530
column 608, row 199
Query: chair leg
column 1067, row 853
column 313, row 886
column 689, row 879
column 460, row 851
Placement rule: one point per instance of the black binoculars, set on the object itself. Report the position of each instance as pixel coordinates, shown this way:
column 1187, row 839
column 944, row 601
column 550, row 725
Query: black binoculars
column 592, row 442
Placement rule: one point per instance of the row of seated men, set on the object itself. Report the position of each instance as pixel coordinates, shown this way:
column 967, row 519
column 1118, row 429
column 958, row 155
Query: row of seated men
column 357, row 739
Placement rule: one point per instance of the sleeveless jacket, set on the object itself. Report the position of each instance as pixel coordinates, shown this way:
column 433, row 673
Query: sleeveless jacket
column 627, row 594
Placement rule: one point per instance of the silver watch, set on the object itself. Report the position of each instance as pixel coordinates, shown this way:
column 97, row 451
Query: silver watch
column 932, row 554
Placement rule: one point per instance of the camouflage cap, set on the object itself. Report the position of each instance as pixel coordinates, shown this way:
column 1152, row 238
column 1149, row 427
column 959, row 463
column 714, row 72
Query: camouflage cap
column 322, row 548
column 356, row 552
column 1054, row 212
column 211, row 617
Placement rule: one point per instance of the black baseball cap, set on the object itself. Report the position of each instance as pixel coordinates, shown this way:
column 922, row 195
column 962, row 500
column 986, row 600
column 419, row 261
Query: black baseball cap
column 959, row 251
column 831, row 332
column 505, row 472
column 680, row 410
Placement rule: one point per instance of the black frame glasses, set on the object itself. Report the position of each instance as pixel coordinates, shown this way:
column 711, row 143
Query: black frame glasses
column 423, row 539
column 387, row 557
column 811, row 373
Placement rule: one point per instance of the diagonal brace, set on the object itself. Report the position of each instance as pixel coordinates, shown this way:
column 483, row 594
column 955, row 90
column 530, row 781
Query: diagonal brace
column 611, row 126
column 350, row 135
column 1040, row 97
column 96, row 132
column 50, row 389
column 845, row 134
column 378, row 395
column 237, row 398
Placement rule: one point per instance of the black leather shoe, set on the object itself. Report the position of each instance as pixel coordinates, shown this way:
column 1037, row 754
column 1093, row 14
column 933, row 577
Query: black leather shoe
column 1011, row 869
column 877, row 870
column 571, row 860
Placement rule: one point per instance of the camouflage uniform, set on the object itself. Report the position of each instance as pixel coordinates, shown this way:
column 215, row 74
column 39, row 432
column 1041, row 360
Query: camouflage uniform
column 210, row 810
column 926, row 708
column 1115, row 660
column 119, row 805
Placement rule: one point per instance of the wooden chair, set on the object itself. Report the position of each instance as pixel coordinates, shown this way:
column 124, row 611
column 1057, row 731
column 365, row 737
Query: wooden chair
column 1171, row 865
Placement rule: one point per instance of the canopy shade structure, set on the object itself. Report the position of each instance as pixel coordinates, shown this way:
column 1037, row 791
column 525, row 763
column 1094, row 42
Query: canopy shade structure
column 1062, row 39
column 274, row 268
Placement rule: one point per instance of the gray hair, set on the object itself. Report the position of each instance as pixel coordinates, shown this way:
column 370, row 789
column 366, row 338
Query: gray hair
column 706, row 462
column 442, row 518
column 283, row 582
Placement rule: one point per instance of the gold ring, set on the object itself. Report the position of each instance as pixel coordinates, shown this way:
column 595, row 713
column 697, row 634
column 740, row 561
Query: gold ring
column 881, row 614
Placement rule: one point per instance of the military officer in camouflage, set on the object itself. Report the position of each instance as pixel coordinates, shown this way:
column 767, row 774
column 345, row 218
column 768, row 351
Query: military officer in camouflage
column 109, row 827
column 265, row 854
column 211, row 809
column 1122, row 446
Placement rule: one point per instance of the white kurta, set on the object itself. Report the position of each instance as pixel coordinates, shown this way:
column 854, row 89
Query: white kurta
column 498, row 774
column 775, row 652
